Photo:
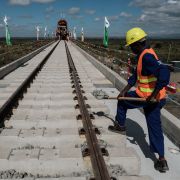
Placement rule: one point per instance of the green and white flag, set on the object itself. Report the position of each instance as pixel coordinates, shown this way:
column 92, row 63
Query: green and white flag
column 8, row 37
column 106, row 26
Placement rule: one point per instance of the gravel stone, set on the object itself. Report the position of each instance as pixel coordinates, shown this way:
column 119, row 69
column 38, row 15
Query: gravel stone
column 116, row 170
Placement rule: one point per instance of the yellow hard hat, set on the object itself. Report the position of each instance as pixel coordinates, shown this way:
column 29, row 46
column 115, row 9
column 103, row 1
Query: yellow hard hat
column 134, row 35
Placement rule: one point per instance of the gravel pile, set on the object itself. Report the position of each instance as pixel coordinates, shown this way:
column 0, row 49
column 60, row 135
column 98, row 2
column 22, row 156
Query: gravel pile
column 13, row 174
column 116, row 170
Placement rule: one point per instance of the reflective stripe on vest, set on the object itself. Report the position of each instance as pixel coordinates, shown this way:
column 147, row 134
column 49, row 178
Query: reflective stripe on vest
column 148, row 80
column 146, row 90
column 146, row 84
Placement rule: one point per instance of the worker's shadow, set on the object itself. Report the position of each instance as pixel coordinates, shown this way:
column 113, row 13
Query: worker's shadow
column 135, row 131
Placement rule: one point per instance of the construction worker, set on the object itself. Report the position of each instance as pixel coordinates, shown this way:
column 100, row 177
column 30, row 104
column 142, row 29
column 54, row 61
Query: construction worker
column 151, row 77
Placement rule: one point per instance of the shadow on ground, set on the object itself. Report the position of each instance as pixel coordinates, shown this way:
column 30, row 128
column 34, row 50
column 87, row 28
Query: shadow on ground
column 135, row 131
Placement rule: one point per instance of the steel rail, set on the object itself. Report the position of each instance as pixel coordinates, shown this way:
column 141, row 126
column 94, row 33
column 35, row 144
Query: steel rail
column 97, row 160
column 7, row 108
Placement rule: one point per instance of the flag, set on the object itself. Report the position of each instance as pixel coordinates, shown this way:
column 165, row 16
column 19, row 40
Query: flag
column 45, row 32
column 74, row 33
column 82, row 31
column 82, row 34
column 8, row 36
column 37, row 31
column 106, row 26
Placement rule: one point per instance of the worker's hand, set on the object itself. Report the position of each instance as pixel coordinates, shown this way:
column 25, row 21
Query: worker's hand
column 122, row 94
column 150, row 99
column 124, row 91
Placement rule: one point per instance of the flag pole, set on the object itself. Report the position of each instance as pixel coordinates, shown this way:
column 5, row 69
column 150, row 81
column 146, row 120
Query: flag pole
column 106, row 26
column 37, row 31
column 8, row 36
column 82, row 35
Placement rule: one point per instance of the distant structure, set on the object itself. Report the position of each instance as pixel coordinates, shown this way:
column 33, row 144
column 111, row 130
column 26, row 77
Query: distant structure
column 70, row 34
column 48, row 34
column 74, row 33
column 45, row 32
column 82, row 34
column 53, row 34
column 37, row 32
column 62, row 30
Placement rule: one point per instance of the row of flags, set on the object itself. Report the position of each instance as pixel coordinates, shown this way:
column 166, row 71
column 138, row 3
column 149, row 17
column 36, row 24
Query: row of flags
column 8, row 36
column 82, row 34
column 38, row 32
column 105, row 39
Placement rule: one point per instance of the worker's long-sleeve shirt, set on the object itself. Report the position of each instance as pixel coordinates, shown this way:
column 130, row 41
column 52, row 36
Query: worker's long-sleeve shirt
column 150, row 66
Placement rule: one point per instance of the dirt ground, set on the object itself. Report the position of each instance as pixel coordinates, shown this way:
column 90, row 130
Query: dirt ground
column 19, row 48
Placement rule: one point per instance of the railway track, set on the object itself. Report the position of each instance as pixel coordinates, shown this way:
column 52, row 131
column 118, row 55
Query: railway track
column 51, row 128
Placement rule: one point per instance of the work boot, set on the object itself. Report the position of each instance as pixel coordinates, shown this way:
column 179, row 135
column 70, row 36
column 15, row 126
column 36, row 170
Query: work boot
column 161, row 165
column 117, row 129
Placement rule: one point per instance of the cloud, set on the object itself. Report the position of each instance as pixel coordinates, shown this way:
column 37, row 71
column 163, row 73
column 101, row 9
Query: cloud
column 47, row 16
column 74, row 11
column 147, row 3
column 90, row 12
column 117, row 17
column 170, row 7
column 27, row 2
column 19, row 2
column 48, row 12
column 113, row 18
column 19, row 30
column 164, row 17
column 43, row 1
column 124, row 14
column 49, row 9
column 97, row 19
column 78, row 16
column 172, row 2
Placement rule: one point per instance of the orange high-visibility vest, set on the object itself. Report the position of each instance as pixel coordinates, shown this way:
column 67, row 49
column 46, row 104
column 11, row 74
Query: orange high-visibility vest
column 146, row 84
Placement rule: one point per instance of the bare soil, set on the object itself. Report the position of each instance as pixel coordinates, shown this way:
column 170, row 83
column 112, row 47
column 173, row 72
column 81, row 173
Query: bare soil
column 20, row 48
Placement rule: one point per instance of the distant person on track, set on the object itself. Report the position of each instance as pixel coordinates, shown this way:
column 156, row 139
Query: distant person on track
column 151, row 77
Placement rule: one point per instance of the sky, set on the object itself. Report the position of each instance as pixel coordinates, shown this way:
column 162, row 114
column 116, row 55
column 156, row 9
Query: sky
column 159, row 18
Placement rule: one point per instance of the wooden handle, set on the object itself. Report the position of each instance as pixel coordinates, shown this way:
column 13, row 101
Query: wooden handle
column 131, row 99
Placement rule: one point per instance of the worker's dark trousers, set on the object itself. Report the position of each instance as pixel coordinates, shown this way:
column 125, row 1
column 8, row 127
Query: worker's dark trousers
column 152, row 114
